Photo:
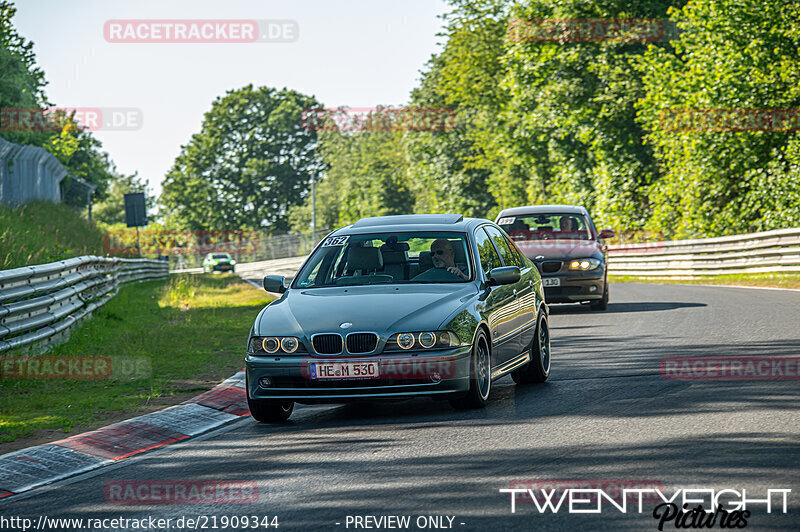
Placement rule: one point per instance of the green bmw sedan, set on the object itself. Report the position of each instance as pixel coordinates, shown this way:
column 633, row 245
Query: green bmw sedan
column 397, row 307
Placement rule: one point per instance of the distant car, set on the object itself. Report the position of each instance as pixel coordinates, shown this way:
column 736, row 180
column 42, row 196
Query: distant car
column 218, row 262
column 569, row 252
column 398, row 307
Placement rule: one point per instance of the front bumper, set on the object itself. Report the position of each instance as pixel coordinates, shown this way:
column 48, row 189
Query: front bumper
column 222, row 268
column 402, row 376
column 575, row 286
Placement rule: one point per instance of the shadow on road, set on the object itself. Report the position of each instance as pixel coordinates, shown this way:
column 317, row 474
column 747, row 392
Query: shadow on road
column 639, row 306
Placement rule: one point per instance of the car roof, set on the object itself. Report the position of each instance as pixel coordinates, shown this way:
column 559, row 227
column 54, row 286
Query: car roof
column 412, row 222
column 540, row 209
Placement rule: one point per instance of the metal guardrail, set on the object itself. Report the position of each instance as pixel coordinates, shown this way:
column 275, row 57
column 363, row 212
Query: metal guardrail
column 765, row 252
column 39, row 302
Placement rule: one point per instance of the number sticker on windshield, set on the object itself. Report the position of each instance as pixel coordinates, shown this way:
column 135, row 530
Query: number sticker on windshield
column 506, row 221
column 334, row 241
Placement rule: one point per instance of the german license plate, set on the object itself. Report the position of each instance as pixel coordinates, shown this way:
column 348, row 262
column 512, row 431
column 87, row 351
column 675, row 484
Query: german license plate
column 344, row 370
column 551, row 281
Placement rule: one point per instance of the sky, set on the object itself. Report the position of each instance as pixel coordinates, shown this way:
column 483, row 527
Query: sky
column 356, row 53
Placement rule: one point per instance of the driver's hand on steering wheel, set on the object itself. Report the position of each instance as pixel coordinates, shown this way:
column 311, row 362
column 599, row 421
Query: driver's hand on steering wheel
column 456, row 271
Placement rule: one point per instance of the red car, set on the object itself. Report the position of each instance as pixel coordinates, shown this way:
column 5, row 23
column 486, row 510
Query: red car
column 563, row 243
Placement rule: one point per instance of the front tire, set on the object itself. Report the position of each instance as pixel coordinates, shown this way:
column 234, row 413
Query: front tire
column 538, row 369
column 480, row 378
column 269, row 410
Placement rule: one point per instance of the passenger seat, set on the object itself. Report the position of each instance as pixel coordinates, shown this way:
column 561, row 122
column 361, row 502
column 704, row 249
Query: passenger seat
column 395, row 263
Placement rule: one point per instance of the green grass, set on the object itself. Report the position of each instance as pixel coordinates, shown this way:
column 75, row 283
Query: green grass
column 191, row 330
column 39, row 232
column 769, row 280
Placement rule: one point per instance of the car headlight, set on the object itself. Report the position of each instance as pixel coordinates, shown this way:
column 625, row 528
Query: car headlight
column 289, row 344
column 405, row 340
column 584, row 264
column 233, row 261
column 424, row 341
column 270, row 345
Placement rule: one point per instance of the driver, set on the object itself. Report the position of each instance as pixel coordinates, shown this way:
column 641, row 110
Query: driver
column 567, row 224
column 443, row 258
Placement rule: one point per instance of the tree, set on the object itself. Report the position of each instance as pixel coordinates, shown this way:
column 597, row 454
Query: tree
column 112, row 209
column 80, row 152
column 365, row 173
column 733, row 55
column 567, row 131
column 22, row 82
column 447, row 169
column 250, row 163
column 22, row 85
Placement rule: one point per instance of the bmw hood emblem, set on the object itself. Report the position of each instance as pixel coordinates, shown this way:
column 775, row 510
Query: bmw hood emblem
column 345, row 325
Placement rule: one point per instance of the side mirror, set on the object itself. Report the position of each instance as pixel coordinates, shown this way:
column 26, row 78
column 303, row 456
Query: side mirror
column 274, row 284
column 606, row 233
column 504, row 275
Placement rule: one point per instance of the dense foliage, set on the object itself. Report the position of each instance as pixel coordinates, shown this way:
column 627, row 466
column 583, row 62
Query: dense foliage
column 22, row 85
column 581, row 121
column 248, row 165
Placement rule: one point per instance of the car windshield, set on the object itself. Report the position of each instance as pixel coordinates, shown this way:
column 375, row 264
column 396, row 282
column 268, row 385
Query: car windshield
column 546, row 226
column 383, row 258
column 221, row 256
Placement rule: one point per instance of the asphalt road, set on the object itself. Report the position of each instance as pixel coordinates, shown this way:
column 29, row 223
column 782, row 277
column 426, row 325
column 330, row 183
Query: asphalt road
column 605, row 414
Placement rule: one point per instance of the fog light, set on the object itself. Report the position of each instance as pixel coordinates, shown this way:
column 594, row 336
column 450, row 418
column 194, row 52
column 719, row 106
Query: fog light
column 593, row 288
column 436, row 378
column 265, row 382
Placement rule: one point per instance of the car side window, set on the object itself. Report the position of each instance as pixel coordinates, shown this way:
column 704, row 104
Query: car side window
column 522, row 260
column 509, row 257
column 488, row 255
